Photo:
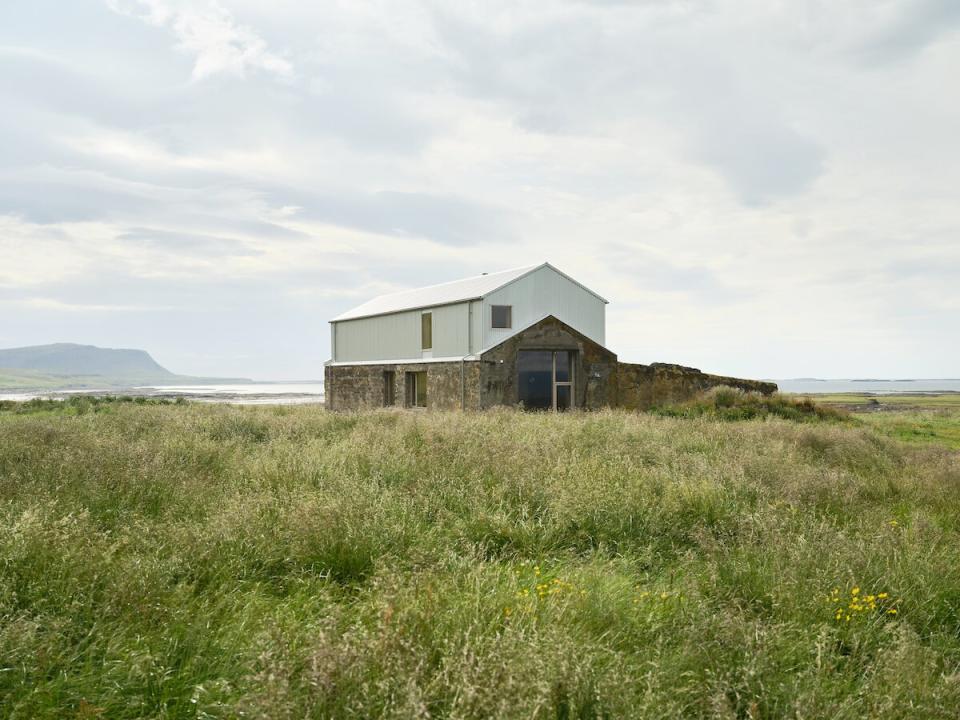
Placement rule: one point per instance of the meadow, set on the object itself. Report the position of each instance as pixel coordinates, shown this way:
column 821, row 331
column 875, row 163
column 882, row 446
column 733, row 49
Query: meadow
column 727, row 559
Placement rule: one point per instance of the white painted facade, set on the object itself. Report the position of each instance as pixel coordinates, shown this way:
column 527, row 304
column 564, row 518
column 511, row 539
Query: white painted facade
column 462, row 320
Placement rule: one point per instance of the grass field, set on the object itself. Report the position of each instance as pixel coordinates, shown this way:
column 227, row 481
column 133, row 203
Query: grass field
column 921, row 418
column 900, row 400
column 199, row 561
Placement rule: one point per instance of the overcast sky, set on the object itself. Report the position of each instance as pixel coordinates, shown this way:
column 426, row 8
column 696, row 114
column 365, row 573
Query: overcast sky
column 760, row 188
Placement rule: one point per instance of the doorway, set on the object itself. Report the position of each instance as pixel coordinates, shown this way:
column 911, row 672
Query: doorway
column 545, row 379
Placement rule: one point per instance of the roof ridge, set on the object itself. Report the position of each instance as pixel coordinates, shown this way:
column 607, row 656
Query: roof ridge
column 465, row 289
column 474, row 287
column 458, row 280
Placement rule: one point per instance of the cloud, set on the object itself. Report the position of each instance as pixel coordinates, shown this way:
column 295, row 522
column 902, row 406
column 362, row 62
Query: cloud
column 209, row 33
column 43, row 303
column 193, row 243
column 907, row 28
column 657, row 272
column 573, row 71
column 444, row 219
column 763, row 161
column 748, row 182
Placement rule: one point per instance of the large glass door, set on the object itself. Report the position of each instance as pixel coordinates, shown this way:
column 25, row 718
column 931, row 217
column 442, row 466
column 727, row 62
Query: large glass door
column 562, row 380
column 535, row 379
column 545, row 379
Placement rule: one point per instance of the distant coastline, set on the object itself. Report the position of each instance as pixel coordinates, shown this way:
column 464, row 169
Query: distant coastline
column 879, row 386
column 287, row 392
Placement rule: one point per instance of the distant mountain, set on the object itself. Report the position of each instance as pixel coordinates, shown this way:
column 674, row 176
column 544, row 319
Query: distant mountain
column 69, row 365
column 70, row 359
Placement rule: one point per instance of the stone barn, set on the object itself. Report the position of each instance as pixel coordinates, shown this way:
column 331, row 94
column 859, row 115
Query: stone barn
column 531, row 337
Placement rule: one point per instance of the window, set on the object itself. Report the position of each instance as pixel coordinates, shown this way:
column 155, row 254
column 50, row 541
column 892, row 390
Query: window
column 545, row 379
column 562, row 384
column 388, row 380
column 417, row 389
column 426, row 331
column 501, row 315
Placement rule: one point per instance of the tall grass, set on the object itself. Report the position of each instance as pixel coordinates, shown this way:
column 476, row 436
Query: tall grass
column 191, row 561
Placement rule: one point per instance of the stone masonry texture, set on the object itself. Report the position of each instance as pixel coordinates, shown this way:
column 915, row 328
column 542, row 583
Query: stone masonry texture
column 593, row 371
column 359, row 387
column 641, row 387
column 599, row 380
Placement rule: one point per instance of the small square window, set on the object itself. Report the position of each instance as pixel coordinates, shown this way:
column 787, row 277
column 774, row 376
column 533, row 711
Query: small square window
column 502, row 315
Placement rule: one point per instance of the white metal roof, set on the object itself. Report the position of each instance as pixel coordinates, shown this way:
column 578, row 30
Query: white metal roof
column 471, row 288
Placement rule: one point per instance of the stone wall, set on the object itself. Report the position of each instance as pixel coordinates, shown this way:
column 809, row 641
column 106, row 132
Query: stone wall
column 594, row 368
column 640, row 387
column 599, row 379
column 357, row 387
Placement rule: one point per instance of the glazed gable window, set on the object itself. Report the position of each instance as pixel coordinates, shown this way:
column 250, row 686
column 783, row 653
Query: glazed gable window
column 501, row 316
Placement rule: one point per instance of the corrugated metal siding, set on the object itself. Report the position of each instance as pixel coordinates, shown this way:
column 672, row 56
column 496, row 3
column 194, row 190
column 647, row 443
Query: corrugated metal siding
column 397, row 336
column 450, row 330
column 476, row 326
column 545, row 292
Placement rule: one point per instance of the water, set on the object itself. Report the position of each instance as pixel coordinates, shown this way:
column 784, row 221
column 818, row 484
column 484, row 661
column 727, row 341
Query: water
column 281, row 393
column 298, row 393
column 877, row 387
column 288, row 393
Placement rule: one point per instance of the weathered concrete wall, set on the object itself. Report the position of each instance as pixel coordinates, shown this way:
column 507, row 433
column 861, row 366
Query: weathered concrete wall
column 640, row 387
column 593, row 372
column 356, row 387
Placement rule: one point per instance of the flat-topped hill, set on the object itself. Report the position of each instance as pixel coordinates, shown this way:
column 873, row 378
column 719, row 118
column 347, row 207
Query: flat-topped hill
column 70, row 365
column 73, row 359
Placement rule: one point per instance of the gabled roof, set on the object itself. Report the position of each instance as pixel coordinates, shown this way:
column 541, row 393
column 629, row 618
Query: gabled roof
column 471, row 288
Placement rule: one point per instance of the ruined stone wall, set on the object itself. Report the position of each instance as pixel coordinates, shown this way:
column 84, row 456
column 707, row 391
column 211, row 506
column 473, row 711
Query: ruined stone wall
column 641, row 387
column 594, row 368
column 357, row 387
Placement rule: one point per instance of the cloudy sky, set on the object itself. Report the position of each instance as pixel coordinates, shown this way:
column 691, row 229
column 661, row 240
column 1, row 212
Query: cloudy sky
column 762, row 188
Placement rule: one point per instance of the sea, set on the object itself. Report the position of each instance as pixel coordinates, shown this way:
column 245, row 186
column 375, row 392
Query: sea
column 302, row 393
column 805, row 386
column 262, row 393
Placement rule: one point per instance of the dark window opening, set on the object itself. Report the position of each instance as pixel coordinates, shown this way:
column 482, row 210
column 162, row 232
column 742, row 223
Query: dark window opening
column 388, row 388
column 426, row 331
column 502, row 316
column 545, row 379
column 562, row 360
column 417, row 389
column 535, row 383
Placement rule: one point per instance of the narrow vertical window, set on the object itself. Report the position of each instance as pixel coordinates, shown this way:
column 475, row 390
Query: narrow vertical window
column 421, row 395
column 388, row 388
column 426, row 331
column 501, row 316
